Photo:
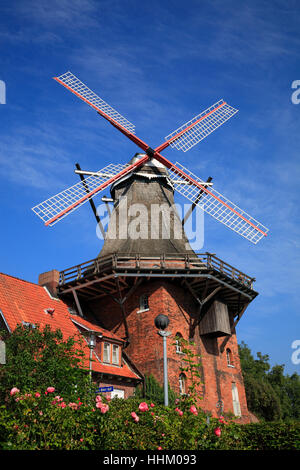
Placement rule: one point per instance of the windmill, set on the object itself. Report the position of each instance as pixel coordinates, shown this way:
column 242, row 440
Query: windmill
column 196, row 190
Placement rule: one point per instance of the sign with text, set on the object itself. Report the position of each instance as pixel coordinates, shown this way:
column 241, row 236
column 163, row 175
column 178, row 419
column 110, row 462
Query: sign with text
column 104, row 389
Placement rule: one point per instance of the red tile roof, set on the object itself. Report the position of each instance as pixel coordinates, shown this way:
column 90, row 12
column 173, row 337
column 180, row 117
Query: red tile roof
column 23, row 301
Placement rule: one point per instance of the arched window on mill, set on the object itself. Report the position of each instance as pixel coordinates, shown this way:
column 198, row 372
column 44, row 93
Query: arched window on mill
column 144, row 303
column 178, row 343
column 182, row 384
column 229, row 358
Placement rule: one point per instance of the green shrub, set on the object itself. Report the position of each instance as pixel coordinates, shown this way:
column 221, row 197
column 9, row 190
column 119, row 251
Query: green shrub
column 45, row 421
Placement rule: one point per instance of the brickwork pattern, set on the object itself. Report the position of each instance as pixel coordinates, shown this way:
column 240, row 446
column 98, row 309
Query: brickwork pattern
column 146, row 346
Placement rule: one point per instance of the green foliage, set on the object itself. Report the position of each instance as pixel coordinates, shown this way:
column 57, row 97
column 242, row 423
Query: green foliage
column 152, row 391
column 271, row 395
column 50, row 422
column 192, row 367
column 37, row 358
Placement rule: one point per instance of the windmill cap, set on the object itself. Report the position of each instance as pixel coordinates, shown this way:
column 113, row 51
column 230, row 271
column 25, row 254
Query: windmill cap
column 152, row 169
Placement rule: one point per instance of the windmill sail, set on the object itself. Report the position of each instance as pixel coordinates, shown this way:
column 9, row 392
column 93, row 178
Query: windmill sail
column 57, row 207
column 74, row 85
column 216, row 205
column 195, row 130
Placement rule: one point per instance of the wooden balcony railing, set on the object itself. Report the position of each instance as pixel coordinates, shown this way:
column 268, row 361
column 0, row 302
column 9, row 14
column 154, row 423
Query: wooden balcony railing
column 121, row 262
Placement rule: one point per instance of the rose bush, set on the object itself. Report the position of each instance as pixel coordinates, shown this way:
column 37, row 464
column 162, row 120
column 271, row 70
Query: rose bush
column 38, row 421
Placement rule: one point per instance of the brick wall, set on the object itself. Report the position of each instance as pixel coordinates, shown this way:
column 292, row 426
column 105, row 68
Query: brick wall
column 146, row 346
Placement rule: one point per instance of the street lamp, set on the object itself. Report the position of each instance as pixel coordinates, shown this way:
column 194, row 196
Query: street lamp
column 92, row 344
column 161, row 322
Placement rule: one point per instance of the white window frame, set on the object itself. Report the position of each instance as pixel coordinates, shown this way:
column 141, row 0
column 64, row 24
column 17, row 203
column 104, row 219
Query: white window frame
column 115, row 352
column 229, row 357
column 105, row 350
column 235, row 400
column 144, row 303
column 178, row 346
column 182, row 384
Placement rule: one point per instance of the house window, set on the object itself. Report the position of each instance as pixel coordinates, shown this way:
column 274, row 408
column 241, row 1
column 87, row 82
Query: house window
column 182, row 382
column 115, row 354
column 178, row 346
column 144, row 304
column 235, row 400
column 106, row 352
column 229, row 358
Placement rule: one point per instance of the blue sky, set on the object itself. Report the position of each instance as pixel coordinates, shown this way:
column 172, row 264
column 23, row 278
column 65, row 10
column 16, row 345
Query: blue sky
column 159, row 64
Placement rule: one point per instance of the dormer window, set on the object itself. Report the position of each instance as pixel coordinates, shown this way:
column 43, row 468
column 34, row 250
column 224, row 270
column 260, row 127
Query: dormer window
column 111, row 353
column 144, row 303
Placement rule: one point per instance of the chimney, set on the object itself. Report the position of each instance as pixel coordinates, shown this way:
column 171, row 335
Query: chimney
column 50, row 279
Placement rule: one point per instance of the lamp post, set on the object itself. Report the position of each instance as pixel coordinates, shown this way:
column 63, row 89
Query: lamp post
column 92, row 344
column 161, row 322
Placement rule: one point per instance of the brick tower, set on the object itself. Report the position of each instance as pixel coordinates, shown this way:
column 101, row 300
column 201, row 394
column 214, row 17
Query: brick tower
column 136, row 277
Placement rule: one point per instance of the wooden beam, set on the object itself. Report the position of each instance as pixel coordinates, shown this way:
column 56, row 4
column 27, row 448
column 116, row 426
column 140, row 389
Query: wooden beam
column 233, row 327
column 77, row 303
column 91, row 201
column 187, row 215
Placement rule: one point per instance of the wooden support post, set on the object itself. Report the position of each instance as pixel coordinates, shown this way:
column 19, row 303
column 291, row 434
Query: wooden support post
column 91, row 201
column 77, row 302
column 233, row 327
column 187, row 215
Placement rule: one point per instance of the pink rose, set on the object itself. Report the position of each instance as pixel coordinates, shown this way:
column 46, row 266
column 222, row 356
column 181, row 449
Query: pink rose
column 159, row 448
column 14, row 390
column 143, row 406
column 180, row 413
column 193, row 410
column 50, row 389
column 37, row 395
column 135, row 417
column 217, row 432
column 98, row 398
column 104, row 408
column 152, row 405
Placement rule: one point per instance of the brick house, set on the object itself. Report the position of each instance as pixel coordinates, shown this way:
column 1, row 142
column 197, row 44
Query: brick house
column 23, row 302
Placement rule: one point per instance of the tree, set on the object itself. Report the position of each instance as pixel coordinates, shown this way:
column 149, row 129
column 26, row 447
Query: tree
column 262, row 400
column 39, row 358
column 271, row 395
